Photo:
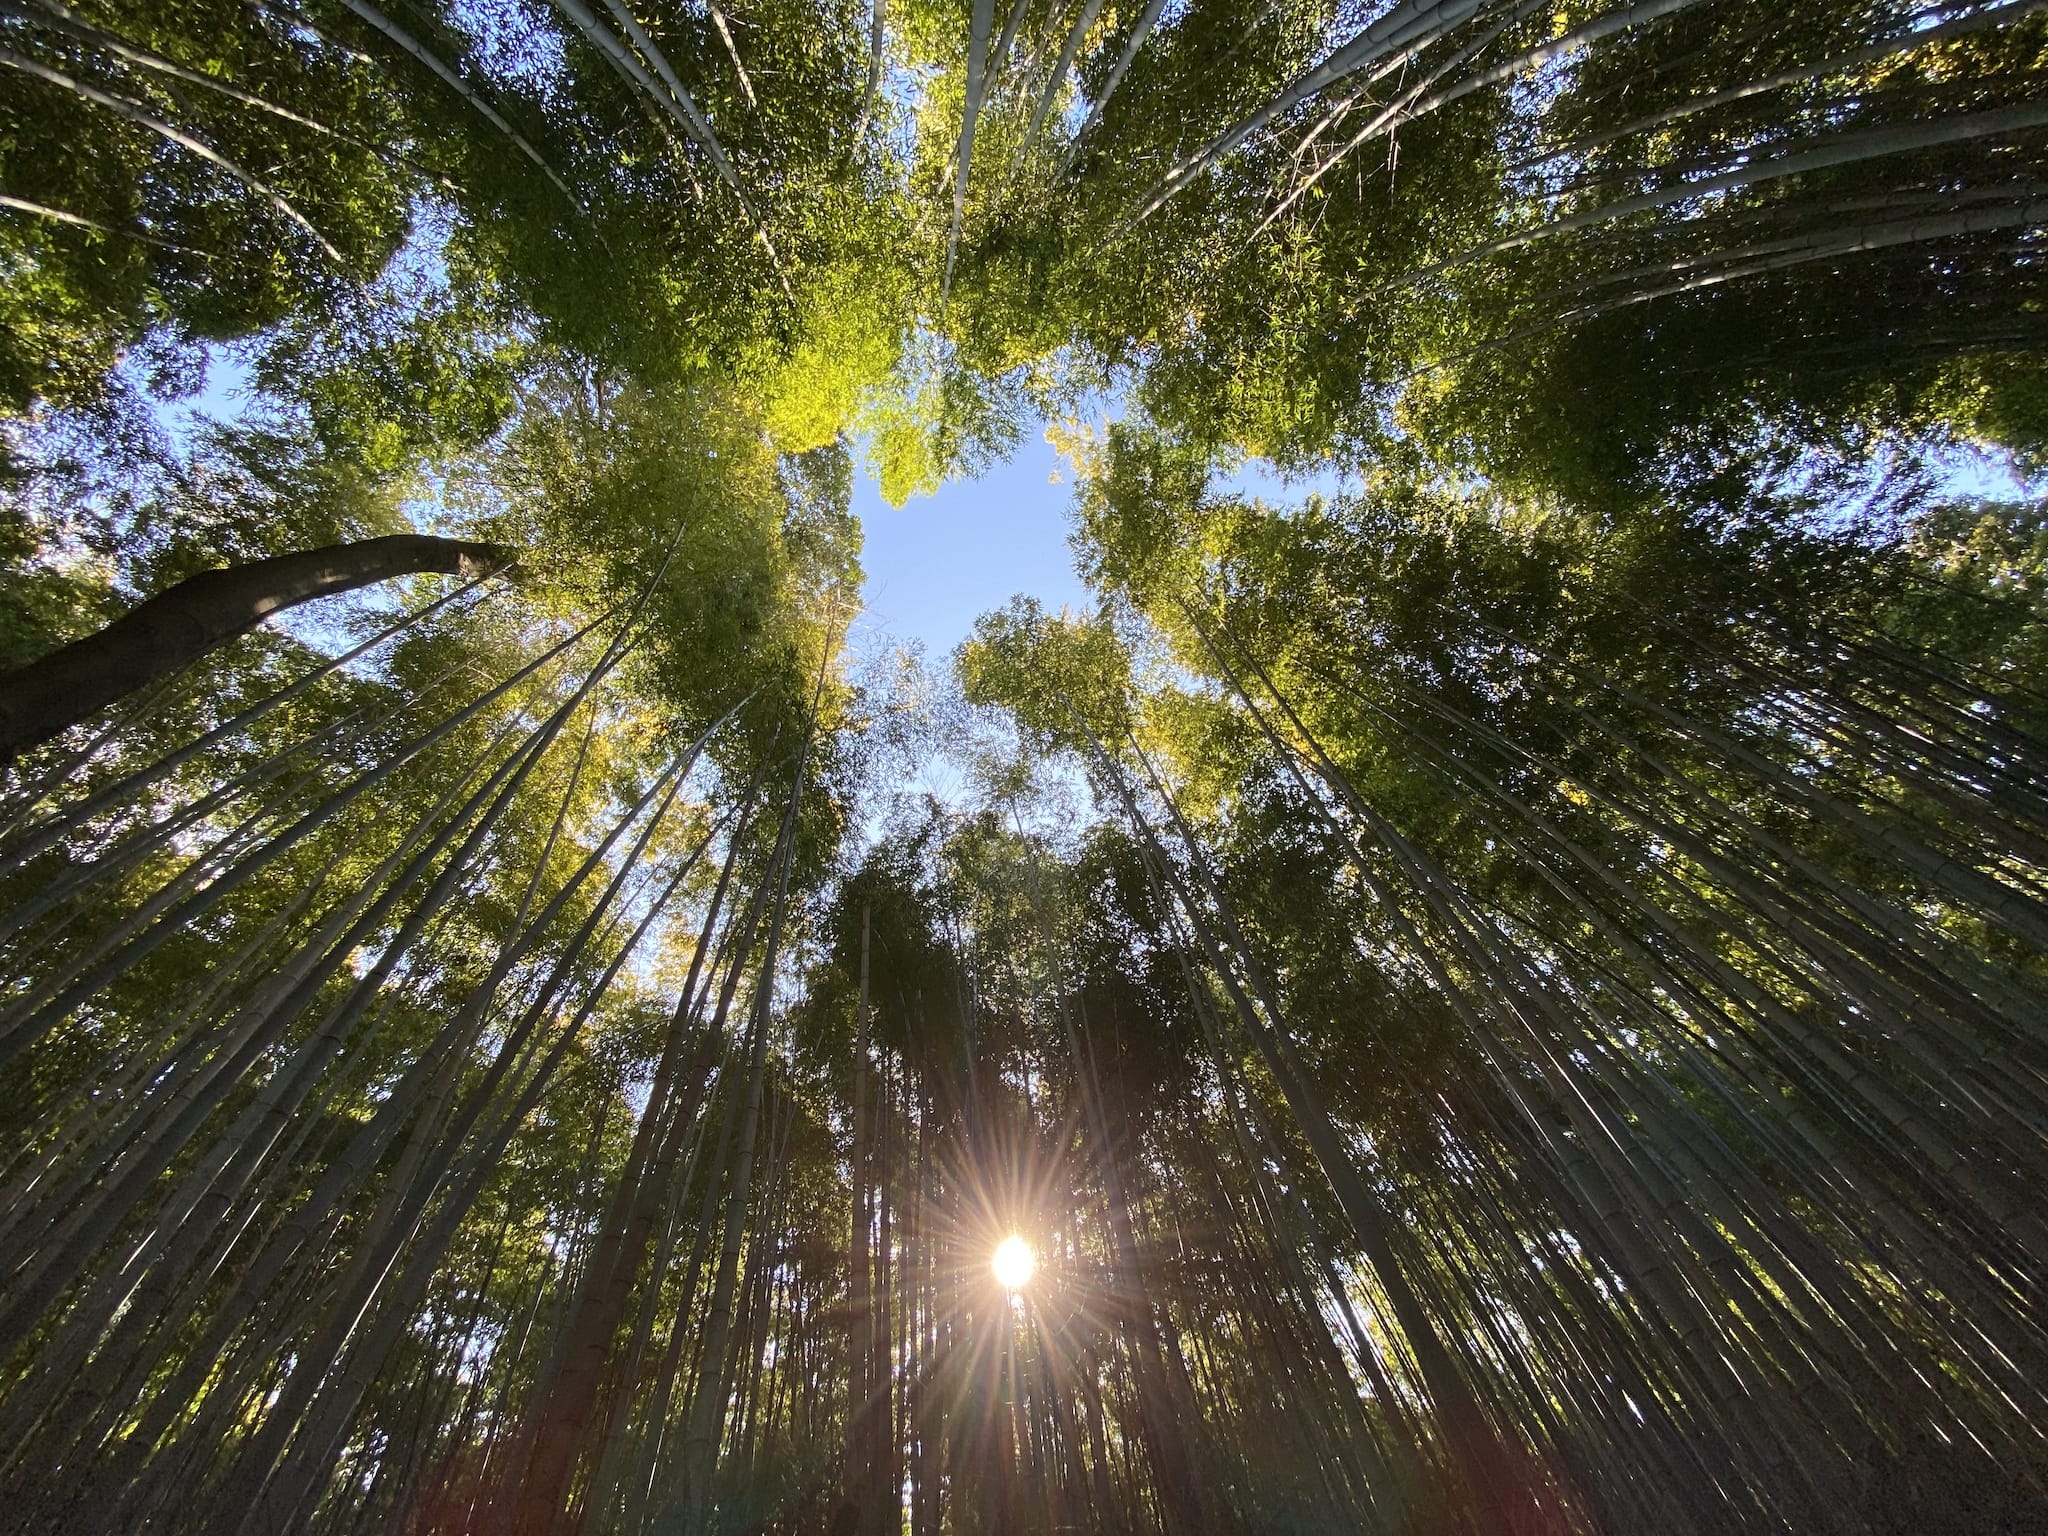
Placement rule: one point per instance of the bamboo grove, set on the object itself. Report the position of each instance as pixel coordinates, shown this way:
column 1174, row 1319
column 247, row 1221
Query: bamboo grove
column 1496, row 977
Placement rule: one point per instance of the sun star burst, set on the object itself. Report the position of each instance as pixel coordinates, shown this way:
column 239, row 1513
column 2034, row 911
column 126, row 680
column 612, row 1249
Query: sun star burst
column 1013, row 1263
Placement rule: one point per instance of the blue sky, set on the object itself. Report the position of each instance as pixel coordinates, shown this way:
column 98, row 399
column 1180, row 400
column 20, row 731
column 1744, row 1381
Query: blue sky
column 937, row 563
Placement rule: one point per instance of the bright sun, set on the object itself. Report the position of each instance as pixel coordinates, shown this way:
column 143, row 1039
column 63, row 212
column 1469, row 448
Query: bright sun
column 1013, row 1263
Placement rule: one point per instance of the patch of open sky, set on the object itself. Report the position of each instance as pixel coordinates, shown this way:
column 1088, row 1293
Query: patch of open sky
column 937, row 563
column 222, row 398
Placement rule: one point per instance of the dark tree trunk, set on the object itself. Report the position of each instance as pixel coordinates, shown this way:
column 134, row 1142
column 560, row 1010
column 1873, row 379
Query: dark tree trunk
column 184, row 622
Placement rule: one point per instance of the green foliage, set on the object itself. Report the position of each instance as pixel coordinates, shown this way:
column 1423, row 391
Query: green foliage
column 1064, row 679
column 1505, row 991
column 142, row 230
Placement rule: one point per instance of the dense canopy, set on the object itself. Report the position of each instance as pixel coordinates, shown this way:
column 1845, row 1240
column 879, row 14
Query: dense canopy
column 1493, row 985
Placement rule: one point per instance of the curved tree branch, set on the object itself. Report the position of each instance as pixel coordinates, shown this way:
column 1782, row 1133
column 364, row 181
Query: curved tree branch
column 186, row 621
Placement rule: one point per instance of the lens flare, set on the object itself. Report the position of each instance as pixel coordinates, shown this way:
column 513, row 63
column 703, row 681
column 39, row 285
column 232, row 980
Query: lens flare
column 1013, row 1263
